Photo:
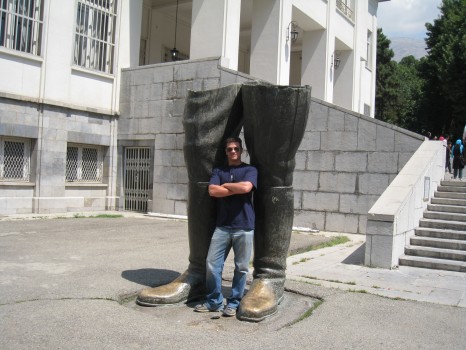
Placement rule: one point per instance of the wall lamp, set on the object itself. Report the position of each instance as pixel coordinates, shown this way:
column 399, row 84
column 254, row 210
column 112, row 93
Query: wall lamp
column 336, row 61
column 292, row 32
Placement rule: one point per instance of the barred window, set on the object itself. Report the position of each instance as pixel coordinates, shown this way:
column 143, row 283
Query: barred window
column 84, row 163
column 14, row 159
column 21, row 25
column 94, row 44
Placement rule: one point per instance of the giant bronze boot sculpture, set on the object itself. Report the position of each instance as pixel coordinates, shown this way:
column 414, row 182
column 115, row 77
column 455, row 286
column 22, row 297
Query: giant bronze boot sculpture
column 209, row 118
column 275, row 118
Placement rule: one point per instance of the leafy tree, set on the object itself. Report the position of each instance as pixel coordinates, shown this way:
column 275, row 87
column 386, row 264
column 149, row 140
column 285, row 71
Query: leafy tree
column 398, row 87
column 410, row 93
column 386, row 91
column 444, row 104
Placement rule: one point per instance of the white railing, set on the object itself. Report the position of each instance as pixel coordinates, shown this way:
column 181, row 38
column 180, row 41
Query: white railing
column 345, row 8
column 392, row 219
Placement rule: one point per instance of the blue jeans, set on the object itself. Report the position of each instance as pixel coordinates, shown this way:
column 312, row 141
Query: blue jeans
column 223, row 240
column 455, row 173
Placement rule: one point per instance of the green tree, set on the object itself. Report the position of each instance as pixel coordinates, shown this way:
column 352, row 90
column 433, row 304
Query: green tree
column 410, row 93
column 398, row 87
column 386, row 91
column 444, row 103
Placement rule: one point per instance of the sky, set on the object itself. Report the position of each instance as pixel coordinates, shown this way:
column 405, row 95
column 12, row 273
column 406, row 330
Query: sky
column 406, row 18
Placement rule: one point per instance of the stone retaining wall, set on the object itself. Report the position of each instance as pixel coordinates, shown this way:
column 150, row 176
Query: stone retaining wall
column 343, row 165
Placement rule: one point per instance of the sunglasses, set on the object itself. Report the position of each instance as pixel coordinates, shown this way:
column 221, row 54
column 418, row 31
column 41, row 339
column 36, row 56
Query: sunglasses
column 231, row 149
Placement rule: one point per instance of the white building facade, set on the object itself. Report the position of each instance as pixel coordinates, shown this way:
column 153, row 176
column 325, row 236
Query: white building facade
column 328, row 44
column 61, row 62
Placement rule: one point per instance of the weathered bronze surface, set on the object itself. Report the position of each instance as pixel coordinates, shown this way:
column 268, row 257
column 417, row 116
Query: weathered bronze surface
column 187, row 286
column 274, row 118
column 261, row 301
column 210, row 117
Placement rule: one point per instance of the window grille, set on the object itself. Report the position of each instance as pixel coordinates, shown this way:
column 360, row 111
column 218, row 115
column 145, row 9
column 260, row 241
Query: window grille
column 137, row 178
column 345, row 7
column 14, row 159
column 84, row 164
column 94, row 44
column 21, row 25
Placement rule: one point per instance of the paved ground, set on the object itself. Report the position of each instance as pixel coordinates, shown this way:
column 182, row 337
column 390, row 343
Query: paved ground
column 68, row 284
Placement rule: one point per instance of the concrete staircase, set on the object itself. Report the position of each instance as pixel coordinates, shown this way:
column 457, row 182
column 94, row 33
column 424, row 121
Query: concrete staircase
column 440, row 240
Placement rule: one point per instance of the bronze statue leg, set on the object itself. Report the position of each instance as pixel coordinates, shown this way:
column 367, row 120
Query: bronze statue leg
column 275, row 120
column 209, row 118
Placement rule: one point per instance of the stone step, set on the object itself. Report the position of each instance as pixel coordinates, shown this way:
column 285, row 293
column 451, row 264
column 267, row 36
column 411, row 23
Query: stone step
column 458, row 209
column 442, row 208
column 454, row 183
column 440, row 239
column 443, row 224
column 453, row 195
column 429, row 263
column 444, row 216
column 440, row 233
column 442, row 243
column 448, row 201
column 456, row 189
column 436, row 253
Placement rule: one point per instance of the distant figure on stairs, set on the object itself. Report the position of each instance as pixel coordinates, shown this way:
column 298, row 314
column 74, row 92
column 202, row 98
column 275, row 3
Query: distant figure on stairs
column 458, row 159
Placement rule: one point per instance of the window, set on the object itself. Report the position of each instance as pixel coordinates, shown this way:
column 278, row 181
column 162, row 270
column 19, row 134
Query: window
column 94, row 44
column 84, row 163
column 14, row 159
column 21, row 25
column 369, row 49
column 345, row 6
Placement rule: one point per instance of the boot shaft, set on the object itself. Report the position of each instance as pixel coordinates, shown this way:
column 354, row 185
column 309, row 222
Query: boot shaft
column 274, row 222
column 210, row 117
column 275, row 119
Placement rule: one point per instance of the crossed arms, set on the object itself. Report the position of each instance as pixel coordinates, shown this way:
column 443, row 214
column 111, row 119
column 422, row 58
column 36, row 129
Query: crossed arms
column 230, row 188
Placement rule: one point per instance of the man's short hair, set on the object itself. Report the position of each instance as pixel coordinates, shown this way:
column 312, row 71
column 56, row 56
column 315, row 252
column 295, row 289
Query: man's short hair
column 234, row 139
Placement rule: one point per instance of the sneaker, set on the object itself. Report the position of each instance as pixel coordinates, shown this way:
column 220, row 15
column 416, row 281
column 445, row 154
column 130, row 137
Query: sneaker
column 229, row 311
column 205, row 308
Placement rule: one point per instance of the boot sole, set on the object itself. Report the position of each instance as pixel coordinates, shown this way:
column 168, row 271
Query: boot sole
column 184, row 301
column 248, row 319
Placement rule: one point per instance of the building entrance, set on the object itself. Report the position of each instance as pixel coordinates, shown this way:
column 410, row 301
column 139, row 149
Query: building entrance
column 138, row 178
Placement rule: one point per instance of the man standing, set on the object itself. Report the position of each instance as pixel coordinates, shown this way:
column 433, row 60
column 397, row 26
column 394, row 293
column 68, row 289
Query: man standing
column 232, row 186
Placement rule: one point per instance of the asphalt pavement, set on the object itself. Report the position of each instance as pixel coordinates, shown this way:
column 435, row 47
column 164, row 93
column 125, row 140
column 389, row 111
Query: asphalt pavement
column 70, row 283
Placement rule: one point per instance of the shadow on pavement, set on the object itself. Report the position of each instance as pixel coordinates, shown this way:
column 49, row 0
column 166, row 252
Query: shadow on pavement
column 150, row 277
column 357, row 257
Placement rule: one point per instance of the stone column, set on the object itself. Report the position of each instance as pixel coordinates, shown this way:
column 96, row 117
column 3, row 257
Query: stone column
column 130, row 33
column 215, row 30
column 314, row 58
column 270, row 52
column 343, row 87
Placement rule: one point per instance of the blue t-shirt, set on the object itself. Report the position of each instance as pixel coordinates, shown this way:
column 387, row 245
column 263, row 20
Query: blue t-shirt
column 236, row 211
